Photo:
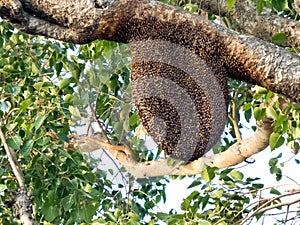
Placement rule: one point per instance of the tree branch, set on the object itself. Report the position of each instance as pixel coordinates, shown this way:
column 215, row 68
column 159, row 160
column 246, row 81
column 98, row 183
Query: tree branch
column 263, row 26
column 266, row 206
column 235, row 154
column 22, row 201
column 245, row 57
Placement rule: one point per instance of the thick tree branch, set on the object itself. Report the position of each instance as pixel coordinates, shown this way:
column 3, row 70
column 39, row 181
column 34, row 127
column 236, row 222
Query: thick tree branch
column 246, row 19
column 234, row 155
column 246, row 58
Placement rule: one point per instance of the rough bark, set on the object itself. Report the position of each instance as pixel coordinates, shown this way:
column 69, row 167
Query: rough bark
column 234, row 155
column 246, row 19
column 245, row 57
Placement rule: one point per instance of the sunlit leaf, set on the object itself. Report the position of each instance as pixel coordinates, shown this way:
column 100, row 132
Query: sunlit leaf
column 75, row 112
column 276, row 140
column 230, row 4
column 39, row 121
column 236, row 175
column 259, row 113
column 272, row 113
column 208, row 173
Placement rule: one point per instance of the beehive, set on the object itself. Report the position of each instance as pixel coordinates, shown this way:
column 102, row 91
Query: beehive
column 165, row 73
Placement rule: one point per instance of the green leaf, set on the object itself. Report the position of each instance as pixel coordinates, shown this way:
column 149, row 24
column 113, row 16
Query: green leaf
column 208, row 173
column 163, row 216
column 112, row 217
column 15, row 38
column 64, row 83
column 14, row 142
column 259, row 113
column 279, row 39
column 247, row 106
column 275, row 191
column 259, row 6
column 282, row 118
column 194, row 183
column 69, row 99
column 276, row 140
column 118, row 128
column 185, row 205
column 230, row 4
column 279, row 5
column 75, row 112
column 42, row 85
column 39, row 121
column 67, row 202
column 248, row 115
column 272, row 113
column 35, row 68
column 236, row 175
column 25, row 104
column 27, row 147
column 134, row 120
column 218, row 194
column 51, row 212
column 191, row 7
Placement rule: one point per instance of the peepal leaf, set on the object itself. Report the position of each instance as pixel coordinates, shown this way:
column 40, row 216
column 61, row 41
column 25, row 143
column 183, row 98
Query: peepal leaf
column 39, row 121
column 14, row 142
column 236, row 175
column 276, row 140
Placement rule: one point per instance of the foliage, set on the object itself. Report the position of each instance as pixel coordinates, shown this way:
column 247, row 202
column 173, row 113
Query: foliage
column 48, row 89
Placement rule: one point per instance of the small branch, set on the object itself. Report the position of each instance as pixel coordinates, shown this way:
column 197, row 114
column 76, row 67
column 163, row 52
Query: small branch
column 22, row 201
column 12, row 158
column 286, row 215
column 235, row 154
column 266, row 206
column 234, row 118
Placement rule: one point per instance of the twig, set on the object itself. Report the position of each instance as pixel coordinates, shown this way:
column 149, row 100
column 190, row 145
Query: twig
column 264, row 206
column 234, row 118
column 286, row 215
